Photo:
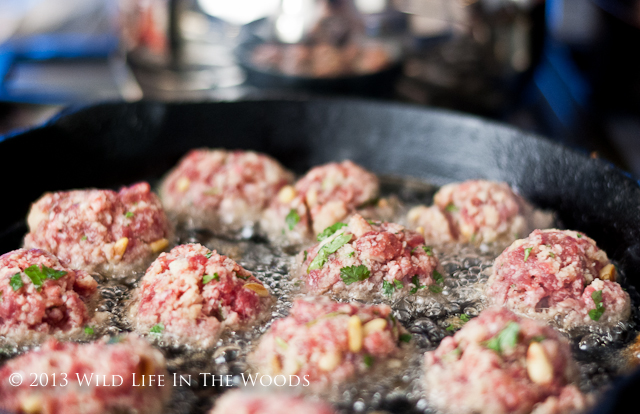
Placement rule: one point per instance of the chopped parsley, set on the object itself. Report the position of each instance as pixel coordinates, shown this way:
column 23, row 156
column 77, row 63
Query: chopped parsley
column 464, row 317
column 16, row 282
column 428, row 250
column 83, row 238
column 451, row 208
column 596, row 313
column 368, row 360
column 305, row 256
column 506, row 339
column 416, row 283
column 579, row 235
column 208, row 278
column 329, row 248
column 387, row 288
column 157, row 328
column 552, row 255
column 527, row 252
column 292, row 219
column 208, row 255
column 329, row 231
column 435, row 288
column 398, row 284
column 128, row 214
column 39, row 275
column 352, row 274
column 451, row 328
column 438, row 277
column 88, row 330
column 405, row 337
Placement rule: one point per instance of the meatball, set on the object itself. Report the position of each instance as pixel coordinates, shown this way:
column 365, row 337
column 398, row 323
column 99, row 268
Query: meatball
column 323, row 197
column 100, row 230
column 325, row 342
column 39, row 296
column 500, row 363
column 238, row 402
column 559, row 275
column 68, row 374
column 367, row 259
column 472, row 211
column 214, row 188
column 191, row 294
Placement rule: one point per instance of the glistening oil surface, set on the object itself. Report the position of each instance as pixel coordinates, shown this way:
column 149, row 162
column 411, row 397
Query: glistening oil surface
column 393, row 386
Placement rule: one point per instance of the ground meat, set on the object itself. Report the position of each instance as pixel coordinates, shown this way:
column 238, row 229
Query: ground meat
column 324, row 196
column 472, row 211
column 553, row 274
column 213, row 188
column 238, row 402
column 500, row 363
column 369, row 258
column 39, row 296
column 106, row 362
column 325, row 342
column 100, row 230
column 192, row 294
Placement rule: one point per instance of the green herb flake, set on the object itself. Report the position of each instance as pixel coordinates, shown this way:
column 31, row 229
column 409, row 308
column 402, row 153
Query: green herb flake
column 451, row 328
column 352, row 274
column 387, row 288
column 88, row 330
column 16, row 282
column 329, row 231
column 513, row 286
column 405, row 337
column 527, row 252
column 579, row 235
column 416, row 283
column 292, row 219
column 506, row 339
column 208, row 278
column 281, row 343
column 435, row 288
column 464, row 317
column 398, row 284
column 552, row 255
column 52, row 273
column 368, row 360
column 157, row 329
column 83, row 238
column 451, row 208
column 208, row 255
column 596, row 314
column 329, row 248
column 128, row 214
column 428, row 250
column 438, row 277
column 37, row 277
column 305, row 256
column 538, row 338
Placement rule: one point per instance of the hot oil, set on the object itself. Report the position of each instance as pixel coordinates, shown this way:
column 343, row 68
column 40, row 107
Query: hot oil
column 428, row 316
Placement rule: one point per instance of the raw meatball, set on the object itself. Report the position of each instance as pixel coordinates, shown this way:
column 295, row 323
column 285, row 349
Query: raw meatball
column 323, row 197
column 325, row 342
column 39, row 296
column 472, row 211
column 238, row 402
column 366, row 259
column 500, row 363
column 100, row 230
column 214, row 188
column 559, row 275
column 69, row 372
column 192, row 294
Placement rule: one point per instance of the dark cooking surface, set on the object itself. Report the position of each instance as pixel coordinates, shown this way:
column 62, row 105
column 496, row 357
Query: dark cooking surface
column 112, row 144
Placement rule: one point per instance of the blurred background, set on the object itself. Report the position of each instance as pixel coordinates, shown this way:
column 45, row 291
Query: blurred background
column 566, row 69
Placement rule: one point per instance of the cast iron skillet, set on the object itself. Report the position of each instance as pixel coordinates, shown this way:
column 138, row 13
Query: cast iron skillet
column 112, row 144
